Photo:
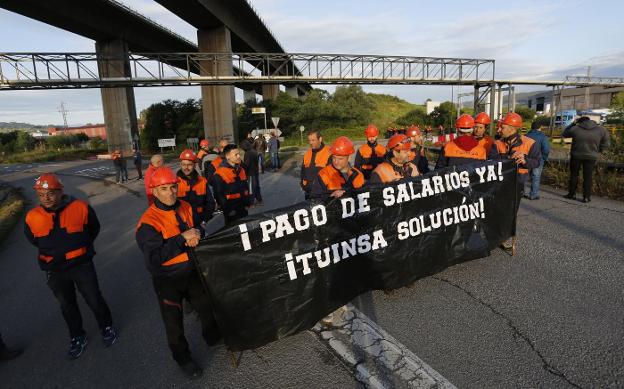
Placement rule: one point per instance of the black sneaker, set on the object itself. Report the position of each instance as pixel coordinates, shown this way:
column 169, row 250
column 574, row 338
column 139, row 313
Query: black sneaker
column 77, row 346
column 191, row 369
column 570, row 196
column 586, row 200
column 109, row 336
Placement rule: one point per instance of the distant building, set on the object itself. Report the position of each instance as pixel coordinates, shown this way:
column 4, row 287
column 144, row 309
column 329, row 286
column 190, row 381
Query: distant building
column 431, row 105
column 92, row 131
column 571, row 99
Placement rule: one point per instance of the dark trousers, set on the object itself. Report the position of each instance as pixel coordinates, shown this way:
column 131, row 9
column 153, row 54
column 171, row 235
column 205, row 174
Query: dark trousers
column 254, row 187
column 2, row 345
column 171, row 292
column 588, row 173
column 139, row 169
column 83, row 277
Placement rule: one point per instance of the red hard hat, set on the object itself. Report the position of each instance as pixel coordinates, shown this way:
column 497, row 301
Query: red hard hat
column 162, row 176
column 204, row 143
column 413, row 131
column 464, row 121
column 482, row 118
column 188, row 155
column 399, row 140
column 371, row 131
column 512, row 119
column 342, row 146
column 48, row 181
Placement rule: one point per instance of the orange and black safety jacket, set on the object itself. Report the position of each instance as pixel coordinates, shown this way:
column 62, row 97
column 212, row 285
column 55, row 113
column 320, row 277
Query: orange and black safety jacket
column 488, row 144
column 419, row 158
column 462, row 150
column 210, row 167
column 196, row 191
column 524, row 144
column 368, row 157
column 313, row 161
column 231, row 187
column 63, row 236
column 159, row 236
column 330, row 179
column 387, row 172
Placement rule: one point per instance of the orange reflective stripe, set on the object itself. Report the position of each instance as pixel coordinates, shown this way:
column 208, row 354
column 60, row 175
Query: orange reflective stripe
column 366, row 167
column 75, row 216
column 40, row 222
column 216, row 162
column 46, row 258
column 177, row 259
column 452, row 150
column 75, row 253
column 386, row 173
column 200, row 209
column 233, row 196
column 365, row 151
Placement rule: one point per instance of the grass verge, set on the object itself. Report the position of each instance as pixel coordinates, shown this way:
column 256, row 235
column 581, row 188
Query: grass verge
column 11, row 208
column 50, row 156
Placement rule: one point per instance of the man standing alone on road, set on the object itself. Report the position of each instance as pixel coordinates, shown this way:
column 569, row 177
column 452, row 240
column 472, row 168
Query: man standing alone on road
column 588, row 141
column 167, row 235
column 138, row 162
column 63, row 229
column 273, row 146
column 536, row 173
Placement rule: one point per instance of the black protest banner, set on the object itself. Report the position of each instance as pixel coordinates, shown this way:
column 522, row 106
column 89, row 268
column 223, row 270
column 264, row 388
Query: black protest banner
column 278, row 273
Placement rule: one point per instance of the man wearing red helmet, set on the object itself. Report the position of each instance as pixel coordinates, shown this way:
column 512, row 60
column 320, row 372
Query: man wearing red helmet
column 482, row 122
column 231, row 185
column 521, row 149
column 63, row 229
column 194, row 189
column 397, row 165
column 167, row 235
column 315, row 159
column 417, row 151
column 370, row 154
column 204, row 150
column 338, row 177
column 463, row 149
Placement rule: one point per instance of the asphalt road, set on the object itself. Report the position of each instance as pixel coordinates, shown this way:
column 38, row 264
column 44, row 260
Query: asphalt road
column 552, row 316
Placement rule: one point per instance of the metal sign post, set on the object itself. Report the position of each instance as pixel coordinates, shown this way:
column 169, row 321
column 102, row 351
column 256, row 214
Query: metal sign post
column 301, row 130
column 260, row 110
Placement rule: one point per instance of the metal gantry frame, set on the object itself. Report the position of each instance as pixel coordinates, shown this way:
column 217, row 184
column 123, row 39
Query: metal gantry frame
column 80, row 70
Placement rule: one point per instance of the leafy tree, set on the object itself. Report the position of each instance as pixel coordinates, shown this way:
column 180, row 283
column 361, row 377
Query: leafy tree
column 417, row 116
column 617, row 108
column 352, row 106
column 24, row 142
column 444, row 114
column 526, row 112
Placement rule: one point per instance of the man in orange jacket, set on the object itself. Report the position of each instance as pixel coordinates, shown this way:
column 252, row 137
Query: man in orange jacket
column 316, row 158
column 63, row 229
column 370, row 154
column 167, row 234
column 397, row 165
column 339, row 177
column 231, row 185
column 463, row 149
column 194, row 189
column 482, row 121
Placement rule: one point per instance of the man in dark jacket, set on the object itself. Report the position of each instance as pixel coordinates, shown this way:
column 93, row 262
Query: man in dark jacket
column 231, row 185
column 536, row 173
column 588, row 140
column 260, row 145
column 63, row 229
column 250, row 163
column 167, row 236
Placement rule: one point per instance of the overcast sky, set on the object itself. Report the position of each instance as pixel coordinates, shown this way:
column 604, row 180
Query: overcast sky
column 528, row 39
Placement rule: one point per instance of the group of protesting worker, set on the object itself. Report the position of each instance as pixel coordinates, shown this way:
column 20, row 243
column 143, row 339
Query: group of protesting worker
column 180, row 204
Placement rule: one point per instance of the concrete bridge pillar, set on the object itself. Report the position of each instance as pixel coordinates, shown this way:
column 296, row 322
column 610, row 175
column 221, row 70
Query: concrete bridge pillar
column 118, row 103
column 269, row 91
column 218, row 104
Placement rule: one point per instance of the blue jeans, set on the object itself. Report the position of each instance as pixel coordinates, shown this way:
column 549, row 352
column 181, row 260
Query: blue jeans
column 260, row 162
column 275, row 163
column 536, row 175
